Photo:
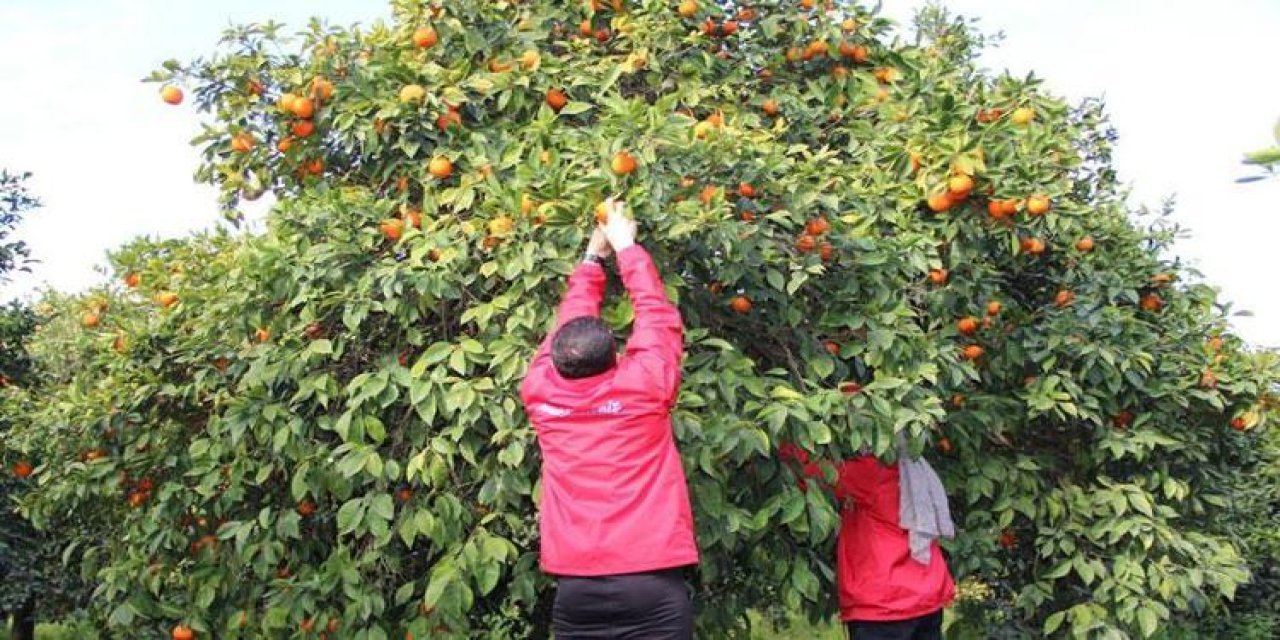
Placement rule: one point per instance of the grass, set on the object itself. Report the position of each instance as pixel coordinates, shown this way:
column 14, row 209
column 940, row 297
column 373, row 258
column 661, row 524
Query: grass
column 798, row 629
column 46, row 631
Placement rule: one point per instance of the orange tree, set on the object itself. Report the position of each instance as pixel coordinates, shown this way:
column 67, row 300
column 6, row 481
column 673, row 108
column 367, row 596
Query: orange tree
column 315, row 429
column 31, row 581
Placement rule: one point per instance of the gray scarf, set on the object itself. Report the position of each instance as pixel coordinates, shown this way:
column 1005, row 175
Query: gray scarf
column 922, row 504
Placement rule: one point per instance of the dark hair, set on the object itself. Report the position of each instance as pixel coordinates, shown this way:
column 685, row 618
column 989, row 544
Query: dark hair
column 582, row 348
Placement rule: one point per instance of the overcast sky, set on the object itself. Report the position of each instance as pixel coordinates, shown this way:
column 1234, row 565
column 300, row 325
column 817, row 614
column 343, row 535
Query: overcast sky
column 1189, row 85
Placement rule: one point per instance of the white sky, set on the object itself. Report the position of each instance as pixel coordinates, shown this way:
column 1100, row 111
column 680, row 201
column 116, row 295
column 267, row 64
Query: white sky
column 1190, row 87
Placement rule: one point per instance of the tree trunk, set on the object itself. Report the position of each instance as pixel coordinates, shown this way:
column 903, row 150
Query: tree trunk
column 24, row 624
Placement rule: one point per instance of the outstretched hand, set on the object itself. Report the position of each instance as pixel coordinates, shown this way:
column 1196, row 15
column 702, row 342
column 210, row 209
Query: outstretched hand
column 618, row 229
column 599, row 244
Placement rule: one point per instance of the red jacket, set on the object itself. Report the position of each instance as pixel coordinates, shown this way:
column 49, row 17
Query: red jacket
column 877, row 578
column 614, row 498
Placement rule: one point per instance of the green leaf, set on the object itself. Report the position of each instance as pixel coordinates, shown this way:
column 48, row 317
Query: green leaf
column 574, row 108
column 350, row 515
column 1054, row 621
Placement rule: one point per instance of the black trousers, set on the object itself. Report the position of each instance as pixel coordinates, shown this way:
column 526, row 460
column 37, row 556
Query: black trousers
column 927, row 627
column 655, row 605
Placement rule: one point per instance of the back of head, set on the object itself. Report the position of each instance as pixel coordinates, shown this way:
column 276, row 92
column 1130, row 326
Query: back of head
column 582, row 348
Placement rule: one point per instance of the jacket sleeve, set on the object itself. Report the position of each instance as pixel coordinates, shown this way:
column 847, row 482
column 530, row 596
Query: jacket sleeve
column 583, row 298
column 657, row 337
column 853, row 477
column 856, row 479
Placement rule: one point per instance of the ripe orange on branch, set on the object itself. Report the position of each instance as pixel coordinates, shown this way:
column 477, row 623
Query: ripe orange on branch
column 171, row 94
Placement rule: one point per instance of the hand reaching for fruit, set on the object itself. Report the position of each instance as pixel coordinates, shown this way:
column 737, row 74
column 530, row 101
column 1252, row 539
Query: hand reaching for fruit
column 599, row 244
column 618, row 229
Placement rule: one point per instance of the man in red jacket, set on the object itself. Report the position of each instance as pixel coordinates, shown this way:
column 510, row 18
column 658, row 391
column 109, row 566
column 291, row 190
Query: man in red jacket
column 893, row 581
column 615, row 520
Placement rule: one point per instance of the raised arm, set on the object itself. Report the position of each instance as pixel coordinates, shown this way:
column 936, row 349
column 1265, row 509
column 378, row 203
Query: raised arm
column 585, row 293
column 656, row 344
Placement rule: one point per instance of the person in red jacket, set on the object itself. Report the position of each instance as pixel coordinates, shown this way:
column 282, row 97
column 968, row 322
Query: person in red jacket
column 892, row 578
column 615, row 519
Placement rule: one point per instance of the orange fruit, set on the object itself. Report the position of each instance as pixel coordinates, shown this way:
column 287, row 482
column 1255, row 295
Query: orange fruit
column 440, row 167
column 995, row 208
column 1151, row 302
column 303, row 108
column 746, row 190
column 960, row 186
column 938, row 276
column 448, row 119
column 284, row 145
column 90, row 320
column 850, row 388
column 815, row 49
column 1034, row 246
column 707, row 194
column 306, row 508
column 242, row 143
column 501, row 226
column 622, row 163
column 740, row 304
column 166, row 299
column 967, row 326
column 263, row 334
column 994, row 307
column 1208, row 380
column 1064, row 298
column 22, row 469
column 285, row 102
column 1007, row 539
column 1122, row 419
column 940, row 202
column 412, row 93
column 770, row 107
column 132, row 280
column 412, row 217
column 806, row 243
column 1022, row 116
column 687, row 9
column 601, row 213
column 183, row 632
column 306, row 625
column 972, row 352
column 530, row 59
column 1037, row 205
column 849, row 25
column 826, row 251
column 404, row 495
column 887, row 75
column 1084, row 244
column 171, row 94
column 817, row 226
column 944, row 445
column 425, row 37
column 1238, row 424
column 860, row 54
column 832, row 347
column 118, row 345
column 392, row 228
column 1214, row 343
column 302, row 129
column 321, row 89
column 1009, row 207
